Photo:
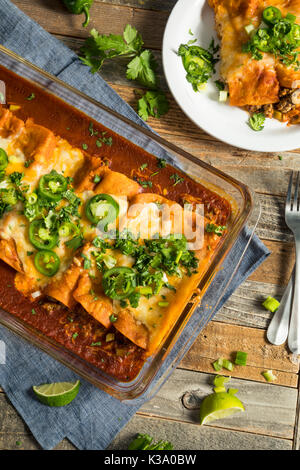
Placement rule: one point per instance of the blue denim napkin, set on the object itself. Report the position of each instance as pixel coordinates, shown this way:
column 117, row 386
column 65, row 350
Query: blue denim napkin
column 94, row 418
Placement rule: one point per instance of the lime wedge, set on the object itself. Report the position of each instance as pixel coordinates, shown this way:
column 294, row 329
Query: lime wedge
column 219, row 405
column 57, row 394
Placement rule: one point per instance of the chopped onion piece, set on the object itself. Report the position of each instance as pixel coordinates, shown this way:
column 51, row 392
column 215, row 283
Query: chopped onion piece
column 228, row 364
column 220, row 380
column 241, row 358
column 269, row 376
column 223, row 96
column 271, row 304
column 36, row 294
column 249, row 28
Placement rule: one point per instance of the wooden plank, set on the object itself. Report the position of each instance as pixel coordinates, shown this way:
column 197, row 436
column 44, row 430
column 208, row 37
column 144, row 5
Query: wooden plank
column 269, row 409
column 165, row 5
column 192, row 437
column 106, row 18
column 223, row 340
column 277, row 268
column 244, row 307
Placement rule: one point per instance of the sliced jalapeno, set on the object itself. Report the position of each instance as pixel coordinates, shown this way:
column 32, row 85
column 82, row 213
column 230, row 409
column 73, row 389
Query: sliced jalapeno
column 47, row 262
column 261, row 40
column 52, row 186
column 68, row 229
column 3, row 159
column 41, row 237
column 102, row 209
column 271, row 15
column 119, row 282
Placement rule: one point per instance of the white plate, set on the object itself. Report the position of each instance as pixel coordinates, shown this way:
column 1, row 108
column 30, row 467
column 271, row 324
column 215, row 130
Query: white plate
column 225, row 122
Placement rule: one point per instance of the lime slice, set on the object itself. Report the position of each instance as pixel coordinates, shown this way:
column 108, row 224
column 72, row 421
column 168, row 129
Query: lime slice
column 57, row 394
column 219, row 405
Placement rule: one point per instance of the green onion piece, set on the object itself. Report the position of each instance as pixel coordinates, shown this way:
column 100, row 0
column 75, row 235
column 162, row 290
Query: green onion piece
column 218, row 364
column 271, row 304
column 163, row 304
column 241, row 358
column 249, row 28
column 269, row 376
column 219, row 389
column 232, row 391
column 109, row 261
column 31, row 198
column 228, row 364
column 145, row 290
column 223, row 96
column 220, row 380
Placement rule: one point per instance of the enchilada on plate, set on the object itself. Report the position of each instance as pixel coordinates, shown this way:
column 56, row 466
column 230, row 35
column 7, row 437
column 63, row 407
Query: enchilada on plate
column 260, row 41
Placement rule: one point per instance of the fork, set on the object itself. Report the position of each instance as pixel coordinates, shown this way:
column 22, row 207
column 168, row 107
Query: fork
column 292, row 218
column 278, row 328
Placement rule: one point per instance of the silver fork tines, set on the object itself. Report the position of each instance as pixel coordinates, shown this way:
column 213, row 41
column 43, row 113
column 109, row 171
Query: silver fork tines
column 292, row 218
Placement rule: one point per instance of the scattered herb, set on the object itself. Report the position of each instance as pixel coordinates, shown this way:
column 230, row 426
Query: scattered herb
column 141, row 67
column 97, row 179
column 217, row 229
column 153, row 103
column 145, row 183
column 30, row 97
column 177, row 179
column 145, row 442
column 199, row 63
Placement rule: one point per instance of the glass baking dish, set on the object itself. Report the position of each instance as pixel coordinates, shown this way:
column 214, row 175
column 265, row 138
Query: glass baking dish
column 245, row 209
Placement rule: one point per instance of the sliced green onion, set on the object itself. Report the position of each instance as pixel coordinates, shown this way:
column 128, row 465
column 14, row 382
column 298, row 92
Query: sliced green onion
column 223, row 96
column 146, row 290
column 241, row 358
column 31, row 198
column 249, row 28
column 109, row 261
column 220, row 380
column 271, row 304
column 269, row 376
column 228, row 364
column 218, row 364
column 163, row 304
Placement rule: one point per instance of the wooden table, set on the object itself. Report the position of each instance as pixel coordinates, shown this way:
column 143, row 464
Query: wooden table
column 272, row 410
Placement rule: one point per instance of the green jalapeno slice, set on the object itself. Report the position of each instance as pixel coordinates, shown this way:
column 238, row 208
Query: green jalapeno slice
column 102, row 209
column 271, row 15
column 40, row 236
column 80, row 6
column 52, row 186
column 3, row 159
column 47, row 262
column 119, row 282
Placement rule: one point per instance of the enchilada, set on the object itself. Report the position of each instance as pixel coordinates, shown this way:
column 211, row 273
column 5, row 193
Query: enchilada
column 110, row 299
column 259, row 55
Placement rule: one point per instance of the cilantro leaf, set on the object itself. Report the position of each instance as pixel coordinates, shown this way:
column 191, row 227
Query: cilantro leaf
column 153, row 103
column 133, row 38
column 142, row 68
column 99, row 47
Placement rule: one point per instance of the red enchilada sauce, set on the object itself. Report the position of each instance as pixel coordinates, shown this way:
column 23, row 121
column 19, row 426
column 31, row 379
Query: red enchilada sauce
column 76, row 330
